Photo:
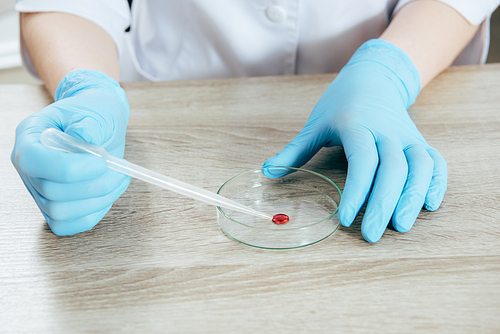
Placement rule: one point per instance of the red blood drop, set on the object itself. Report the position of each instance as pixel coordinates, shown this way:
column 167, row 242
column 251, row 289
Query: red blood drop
column 280, row 219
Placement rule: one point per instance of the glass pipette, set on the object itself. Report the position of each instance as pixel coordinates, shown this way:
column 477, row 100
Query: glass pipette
column 59, row 140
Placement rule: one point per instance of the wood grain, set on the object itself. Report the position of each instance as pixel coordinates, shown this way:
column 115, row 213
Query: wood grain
column 159, row 263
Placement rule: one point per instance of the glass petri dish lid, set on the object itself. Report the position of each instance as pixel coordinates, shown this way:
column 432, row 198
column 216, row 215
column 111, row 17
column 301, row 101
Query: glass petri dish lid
column 309, row 199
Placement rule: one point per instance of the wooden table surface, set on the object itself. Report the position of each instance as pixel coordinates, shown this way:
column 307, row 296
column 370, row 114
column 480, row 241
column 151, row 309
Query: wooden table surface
column 159, row 263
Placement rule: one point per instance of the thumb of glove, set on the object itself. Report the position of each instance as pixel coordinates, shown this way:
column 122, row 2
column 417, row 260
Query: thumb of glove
column 93, row 108
column 90, row 130
column 299, row 151
column 87, row 129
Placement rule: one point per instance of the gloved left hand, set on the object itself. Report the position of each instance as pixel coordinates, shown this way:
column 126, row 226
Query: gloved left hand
column 365, row 110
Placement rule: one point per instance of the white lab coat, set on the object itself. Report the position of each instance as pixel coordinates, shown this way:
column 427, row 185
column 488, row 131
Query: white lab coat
column 189, row 39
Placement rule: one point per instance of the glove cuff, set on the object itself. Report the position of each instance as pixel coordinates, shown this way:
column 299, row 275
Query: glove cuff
column 78, row 80
column 405, row 73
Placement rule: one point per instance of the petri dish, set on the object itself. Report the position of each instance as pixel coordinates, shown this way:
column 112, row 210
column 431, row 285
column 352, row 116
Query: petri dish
column 310, row 200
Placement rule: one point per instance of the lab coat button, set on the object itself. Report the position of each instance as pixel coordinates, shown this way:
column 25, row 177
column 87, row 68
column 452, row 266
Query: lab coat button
column 276, row 14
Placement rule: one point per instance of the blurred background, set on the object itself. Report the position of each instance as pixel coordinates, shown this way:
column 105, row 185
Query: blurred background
column 11, row 70
column 10, row 58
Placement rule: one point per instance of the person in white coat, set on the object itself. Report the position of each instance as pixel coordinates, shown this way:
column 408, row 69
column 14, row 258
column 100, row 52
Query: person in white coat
column 384, row 50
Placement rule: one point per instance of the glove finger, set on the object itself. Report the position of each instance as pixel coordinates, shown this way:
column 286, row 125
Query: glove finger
column 387, row 188
column 82, row 224
column 37, row 160
column 66, row 192
column 31, row 157
column 301, row 149
column 420, row 166
column 439, row 181
column 73, row 210
column 362, row 158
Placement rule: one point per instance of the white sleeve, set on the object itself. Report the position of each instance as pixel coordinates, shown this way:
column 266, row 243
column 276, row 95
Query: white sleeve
column 113, row 16
column 474, row 11
column 477, row 12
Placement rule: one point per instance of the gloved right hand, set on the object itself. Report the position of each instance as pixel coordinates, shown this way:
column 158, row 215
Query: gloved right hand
column 75, row 191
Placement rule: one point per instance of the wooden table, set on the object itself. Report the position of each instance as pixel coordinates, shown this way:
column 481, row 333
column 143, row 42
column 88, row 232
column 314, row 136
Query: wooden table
column 159, row 263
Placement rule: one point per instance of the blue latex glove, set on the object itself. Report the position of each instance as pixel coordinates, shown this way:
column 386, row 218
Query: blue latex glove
column 365, row 110
column 74, row 191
